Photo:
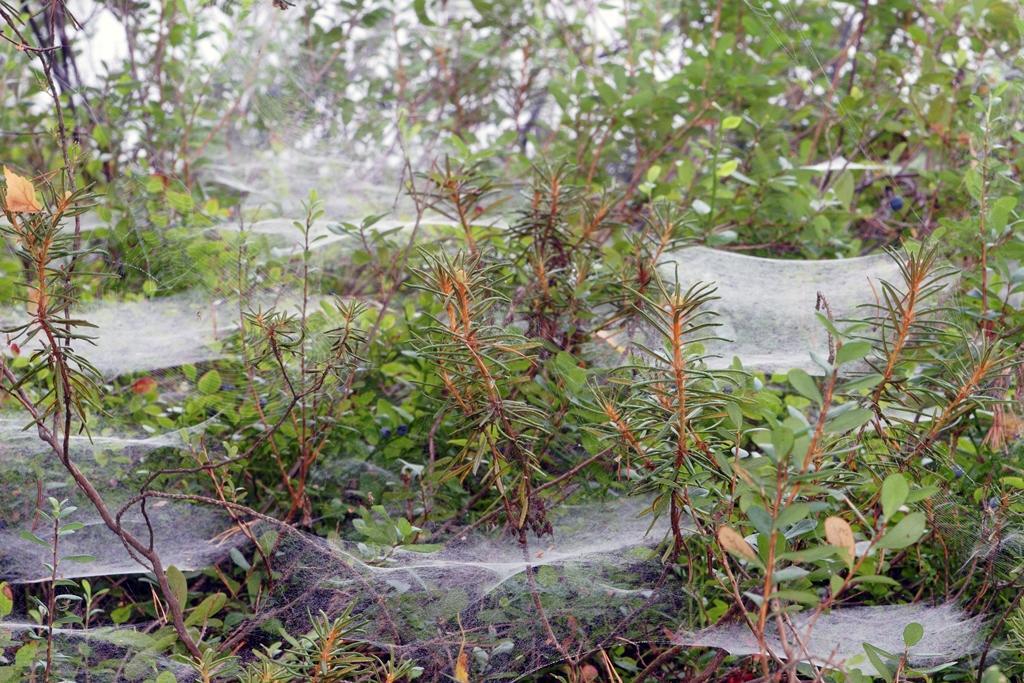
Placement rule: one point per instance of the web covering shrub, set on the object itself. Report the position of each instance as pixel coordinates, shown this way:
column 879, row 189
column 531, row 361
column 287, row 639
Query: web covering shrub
column 455, row 342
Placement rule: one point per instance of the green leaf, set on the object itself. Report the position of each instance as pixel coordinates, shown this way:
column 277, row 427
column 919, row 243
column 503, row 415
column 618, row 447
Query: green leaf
column 790, row 573
column 29, row 536
column 83, row 559
column 25, row 654
column 730, row 122
column 209, row 383
column 206, row 609
column 180, row 201
column 973, row 181
column 844, row 188
column 101, row 136
column 875, row 656
column 177, row 583
column 574, row 375
column 852, row 351
column 894, row 493
column 861, row 383
column 423, row 547
column 6, row 604
column 802, row 597
column 907, row 532
column 848, row 419
column 876, row 579
column 420, row 7
column 239, row 559
column 761, row 520
column 735, row 415
column 994, row 674
column 810, row 554
column 804, row 385
column 1000, row 213
column 912, row 634
column 922, row 492
column 120, row 615
column 726, row 168
column 791, row 515
column 782, row 441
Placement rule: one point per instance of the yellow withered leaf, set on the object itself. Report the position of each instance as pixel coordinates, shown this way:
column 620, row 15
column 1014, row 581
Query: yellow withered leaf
column 21, row 195
column 839, row 534
column 735, row 544
column 462, row 667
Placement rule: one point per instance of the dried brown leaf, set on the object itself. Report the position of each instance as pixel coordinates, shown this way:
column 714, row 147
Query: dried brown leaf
column 839, row 534
column 21, row 195
column 734, row 543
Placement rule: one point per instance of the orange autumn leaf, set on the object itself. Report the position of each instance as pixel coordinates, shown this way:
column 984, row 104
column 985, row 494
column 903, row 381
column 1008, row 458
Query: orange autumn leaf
column 143, row 385
column 462, row 667
column 21, row 195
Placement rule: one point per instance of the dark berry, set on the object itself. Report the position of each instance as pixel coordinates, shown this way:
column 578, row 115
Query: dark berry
column 993, row 502
column 403, row 430
column 385, row 432
column 958, row 471
column 896, row 203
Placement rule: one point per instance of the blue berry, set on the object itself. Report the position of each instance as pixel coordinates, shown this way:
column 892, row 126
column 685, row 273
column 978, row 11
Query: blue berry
column 958, row 471
column 896, row 203
column 993, row 502
column 385, row 432
column 403, row 430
